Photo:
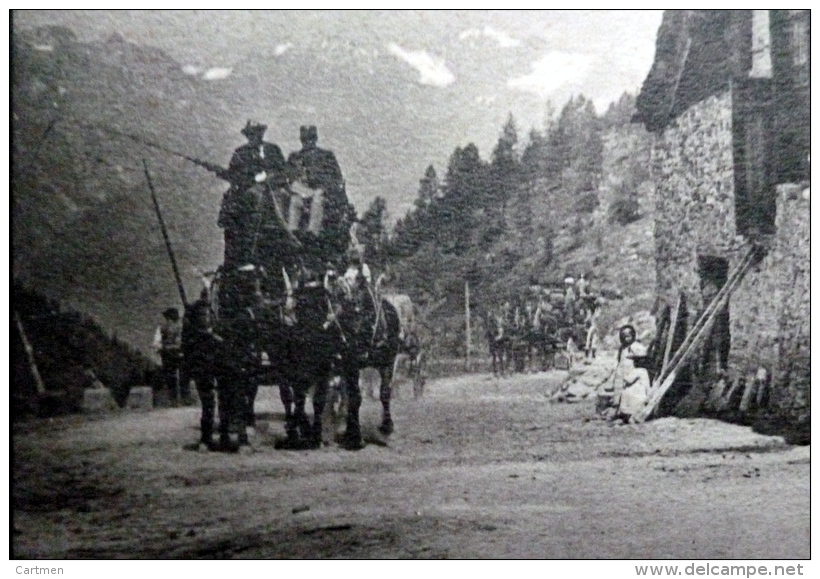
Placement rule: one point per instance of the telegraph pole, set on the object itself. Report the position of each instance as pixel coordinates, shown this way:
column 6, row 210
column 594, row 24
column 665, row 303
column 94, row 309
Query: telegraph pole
column 467, row 316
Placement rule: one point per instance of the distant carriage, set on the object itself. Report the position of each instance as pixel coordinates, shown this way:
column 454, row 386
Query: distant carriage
column 412, row 355
column 536, row 337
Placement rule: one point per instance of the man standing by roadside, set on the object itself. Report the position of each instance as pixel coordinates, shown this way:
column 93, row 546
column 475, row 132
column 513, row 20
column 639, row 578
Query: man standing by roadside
column 168, row 344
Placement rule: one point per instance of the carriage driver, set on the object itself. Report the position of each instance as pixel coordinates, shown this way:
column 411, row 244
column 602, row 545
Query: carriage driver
column 256, row 161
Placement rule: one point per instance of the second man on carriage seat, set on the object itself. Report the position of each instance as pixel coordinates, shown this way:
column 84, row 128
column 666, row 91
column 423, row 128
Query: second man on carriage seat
column 331, row 215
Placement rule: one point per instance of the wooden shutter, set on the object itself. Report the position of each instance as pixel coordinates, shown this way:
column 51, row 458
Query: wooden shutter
column 753, row 130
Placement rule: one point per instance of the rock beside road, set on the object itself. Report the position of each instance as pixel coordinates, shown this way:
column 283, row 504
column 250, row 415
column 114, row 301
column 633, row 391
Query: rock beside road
column 585, row 378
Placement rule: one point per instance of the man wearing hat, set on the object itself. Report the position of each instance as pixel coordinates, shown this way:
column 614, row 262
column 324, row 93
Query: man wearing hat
column 254, row 162
column 569, row 299
column 319, row 170
column 257, row 160
column 168, row 344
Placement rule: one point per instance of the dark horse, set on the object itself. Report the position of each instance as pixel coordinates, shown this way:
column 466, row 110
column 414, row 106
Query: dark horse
column 235, row 306
column 368, row 338
column 306, row 362
column 263, row 314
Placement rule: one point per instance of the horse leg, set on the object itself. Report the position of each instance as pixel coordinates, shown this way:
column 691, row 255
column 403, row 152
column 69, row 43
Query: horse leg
column 386, row 375
column 352, row 439
column 418, row 378
column 319, row 400
column 242, row 401
column 207, row 397
column 246, row 401
column 506, row 360
column 226, row 393
column 532, row 356
column 287, row 398
column 300, row 415
column 252, row 391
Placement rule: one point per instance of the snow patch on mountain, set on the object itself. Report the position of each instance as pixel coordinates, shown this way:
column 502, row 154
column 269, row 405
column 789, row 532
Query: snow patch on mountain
column 432, row 70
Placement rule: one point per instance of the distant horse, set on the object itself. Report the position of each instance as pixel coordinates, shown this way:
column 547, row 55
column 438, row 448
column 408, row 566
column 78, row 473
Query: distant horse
column 499, row 342
column 519, row 348
column 570, row 340
column 412, row 354
column 542, row 340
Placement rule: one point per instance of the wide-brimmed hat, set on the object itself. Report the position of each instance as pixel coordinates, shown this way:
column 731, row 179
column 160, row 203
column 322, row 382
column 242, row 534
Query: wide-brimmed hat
column 253, row 128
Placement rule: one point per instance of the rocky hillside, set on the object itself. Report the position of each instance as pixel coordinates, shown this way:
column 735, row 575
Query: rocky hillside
column 594, row 215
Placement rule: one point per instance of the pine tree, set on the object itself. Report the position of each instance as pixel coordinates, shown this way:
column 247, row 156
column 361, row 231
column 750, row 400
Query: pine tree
column 372, row 233
column 455, row 215
column 504, row 170
column 429, row 188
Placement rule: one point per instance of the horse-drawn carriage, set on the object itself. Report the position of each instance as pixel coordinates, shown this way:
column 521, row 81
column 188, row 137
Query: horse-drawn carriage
column 287, row 320
column 535, row 337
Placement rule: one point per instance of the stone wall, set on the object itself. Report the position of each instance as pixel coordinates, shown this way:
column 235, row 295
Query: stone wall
column 791, row 258
column 693, row 169
column 769, row 312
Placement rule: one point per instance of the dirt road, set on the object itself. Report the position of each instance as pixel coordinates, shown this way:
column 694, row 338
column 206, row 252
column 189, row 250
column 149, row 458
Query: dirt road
column 477, row 468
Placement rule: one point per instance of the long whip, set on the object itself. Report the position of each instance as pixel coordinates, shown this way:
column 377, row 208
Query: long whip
column 170, row 249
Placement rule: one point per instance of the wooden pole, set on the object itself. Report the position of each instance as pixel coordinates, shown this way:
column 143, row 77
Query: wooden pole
column 38, row 380
column 671, row 336
column 696, row 336
column 708, row 314
column 467, row 316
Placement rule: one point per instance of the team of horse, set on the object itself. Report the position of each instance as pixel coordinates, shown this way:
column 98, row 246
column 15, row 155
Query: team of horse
column 284, row 318
column 309, row 331
column 534, row 337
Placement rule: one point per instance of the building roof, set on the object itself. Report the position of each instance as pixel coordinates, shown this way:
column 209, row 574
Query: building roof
column 697, row 52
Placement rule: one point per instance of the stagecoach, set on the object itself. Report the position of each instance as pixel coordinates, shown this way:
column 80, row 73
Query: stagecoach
column 286, row 320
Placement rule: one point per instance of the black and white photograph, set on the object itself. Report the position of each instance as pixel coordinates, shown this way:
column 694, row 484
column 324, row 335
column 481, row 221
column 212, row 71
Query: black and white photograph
column 411, row 284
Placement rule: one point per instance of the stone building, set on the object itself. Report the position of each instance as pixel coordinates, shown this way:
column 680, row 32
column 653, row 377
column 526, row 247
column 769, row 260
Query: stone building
column 727, row 99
